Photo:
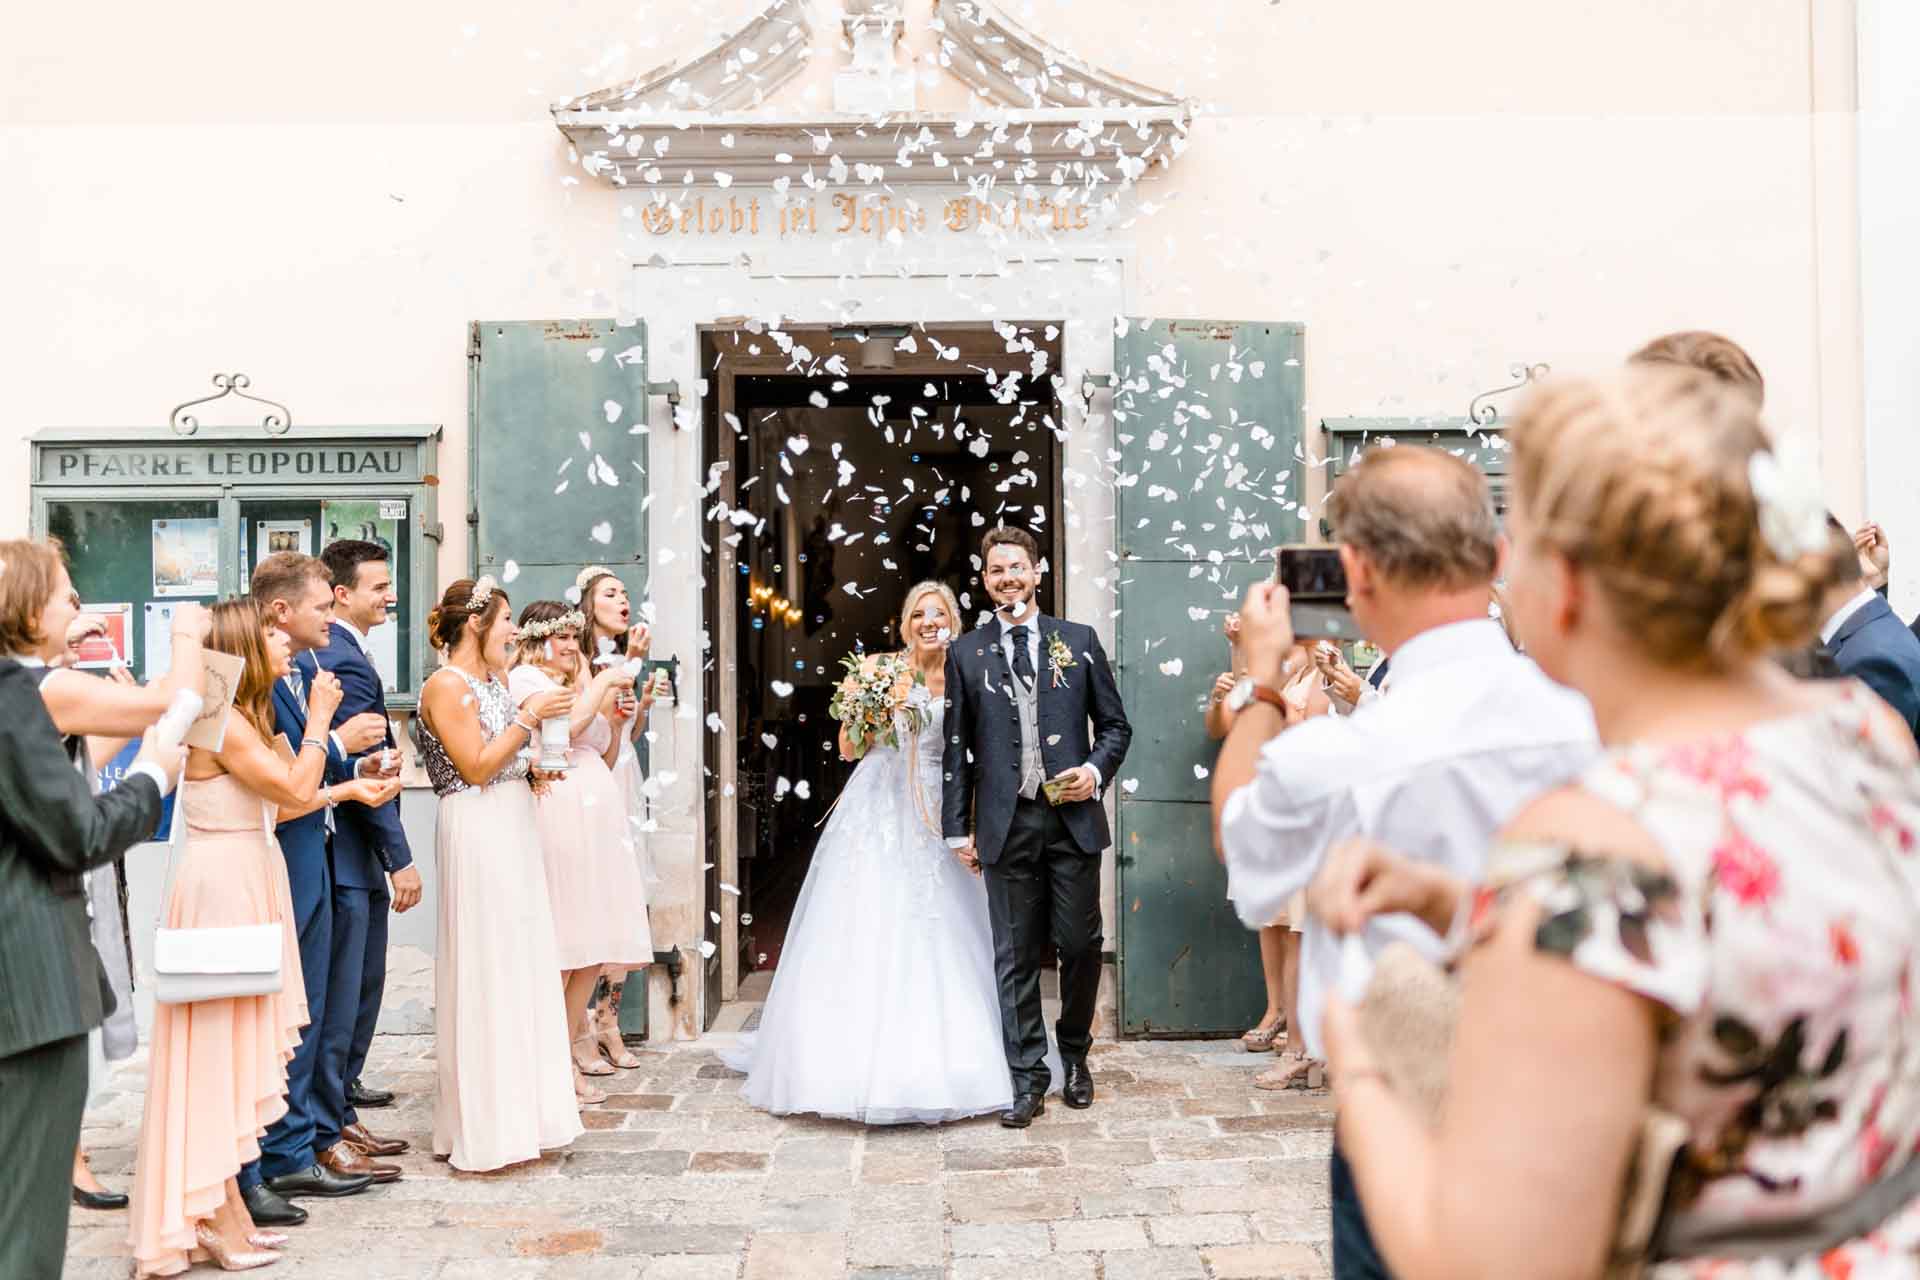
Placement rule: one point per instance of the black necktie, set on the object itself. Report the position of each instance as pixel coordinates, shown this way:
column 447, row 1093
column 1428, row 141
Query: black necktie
column 1022, row 663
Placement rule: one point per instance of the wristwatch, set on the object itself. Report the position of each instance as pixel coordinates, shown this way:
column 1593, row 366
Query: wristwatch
column 1249, row 690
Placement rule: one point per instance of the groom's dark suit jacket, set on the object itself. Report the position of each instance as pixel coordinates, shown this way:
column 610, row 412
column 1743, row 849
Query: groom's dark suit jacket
column 982, row 756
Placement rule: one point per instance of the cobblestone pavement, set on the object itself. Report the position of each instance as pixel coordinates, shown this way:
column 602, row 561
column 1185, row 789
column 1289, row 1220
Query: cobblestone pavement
column 1181, row 1169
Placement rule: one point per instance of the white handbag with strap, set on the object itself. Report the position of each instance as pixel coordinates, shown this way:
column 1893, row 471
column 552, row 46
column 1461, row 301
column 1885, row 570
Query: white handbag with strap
column 190, row 965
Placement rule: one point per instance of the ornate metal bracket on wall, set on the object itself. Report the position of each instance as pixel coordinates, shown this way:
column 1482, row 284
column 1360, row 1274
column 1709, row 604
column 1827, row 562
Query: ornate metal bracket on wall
column 182, row 423
column 1479, row 411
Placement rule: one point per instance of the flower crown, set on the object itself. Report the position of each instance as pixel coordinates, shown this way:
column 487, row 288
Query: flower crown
column 482, row 593
column 570, row 621
column 1787, row 500
column 588, row 574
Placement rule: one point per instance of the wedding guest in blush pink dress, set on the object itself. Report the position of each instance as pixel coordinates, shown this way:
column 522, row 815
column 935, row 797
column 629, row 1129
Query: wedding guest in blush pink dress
column 593, row 876
column 217, row 1075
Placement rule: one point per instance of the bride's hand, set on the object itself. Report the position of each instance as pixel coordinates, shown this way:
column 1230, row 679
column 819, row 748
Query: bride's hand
column 969, row 855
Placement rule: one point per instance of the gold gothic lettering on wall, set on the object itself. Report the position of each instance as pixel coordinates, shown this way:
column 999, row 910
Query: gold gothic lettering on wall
column 853, row 215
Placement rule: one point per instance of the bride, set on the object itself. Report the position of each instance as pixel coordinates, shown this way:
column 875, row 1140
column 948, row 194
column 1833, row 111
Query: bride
column 884, row 1007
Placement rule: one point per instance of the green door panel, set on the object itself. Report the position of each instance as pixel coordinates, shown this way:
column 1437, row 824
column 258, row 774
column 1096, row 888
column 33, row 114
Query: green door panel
column 1208, row 429
column 1188, row 964
column 1208, row 419
column 557, row 452
column 1169, row 653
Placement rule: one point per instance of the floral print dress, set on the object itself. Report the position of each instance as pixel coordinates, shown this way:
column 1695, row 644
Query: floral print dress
column 1783, row 946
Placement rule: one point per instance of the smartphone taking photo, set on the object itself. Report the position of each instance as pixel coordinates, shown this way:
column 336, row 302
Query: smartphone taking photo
column 1316, row 584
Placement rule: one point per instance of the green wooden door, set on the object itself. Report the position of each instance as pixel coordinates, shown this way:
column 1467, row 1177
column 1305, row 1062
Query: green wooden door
column 557, row 453
column 1207, row 426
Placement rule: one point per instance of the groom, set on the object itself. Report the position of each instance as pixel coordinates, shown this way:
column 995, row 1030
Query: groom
column 1020, row 693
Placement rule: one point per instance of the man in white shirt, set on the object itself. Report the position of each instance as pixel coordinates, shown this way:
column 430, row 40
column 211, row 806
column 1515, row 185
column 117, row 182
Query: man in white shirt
column 1468, row 733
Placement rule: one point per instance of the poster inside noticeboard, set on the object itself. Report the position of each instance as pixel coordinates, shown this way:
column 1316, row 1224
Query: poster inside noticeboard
column 126, row 556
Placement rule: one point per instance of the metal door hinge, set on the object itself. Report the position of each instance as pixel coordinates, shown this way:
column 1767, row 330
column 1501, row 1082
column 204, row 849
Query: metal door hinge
column 436, row 531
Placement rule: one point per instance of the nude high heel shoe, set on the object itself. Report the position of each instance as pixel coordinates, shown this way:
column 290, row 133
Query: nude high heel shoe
column 211, row 1246
column 606, row 1029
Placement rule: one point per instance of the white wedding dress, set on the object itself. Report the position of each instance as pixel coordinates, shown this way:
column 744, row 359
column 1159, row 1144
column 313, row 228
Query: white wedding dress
column 884, row 1007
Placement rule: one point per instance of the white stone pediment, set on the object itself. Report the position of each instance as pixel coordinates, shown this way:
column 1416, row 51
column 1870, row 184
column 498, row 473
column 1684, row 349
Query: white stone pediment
column 1042, row 117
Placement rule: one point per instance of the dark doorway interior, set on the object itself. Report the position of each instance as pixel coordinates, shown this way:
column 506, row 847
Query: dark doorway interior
column 847, row 490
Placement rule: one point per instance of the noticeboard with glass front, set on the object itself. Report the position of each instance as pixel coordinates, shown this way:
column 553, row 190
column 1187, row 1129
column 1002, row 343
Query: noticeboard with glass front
column 150, row 518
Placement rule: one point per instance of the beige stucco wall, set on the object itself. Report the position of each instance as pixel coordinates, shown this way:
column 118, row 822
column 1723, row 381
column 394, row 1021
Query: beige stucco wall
column 325, row 198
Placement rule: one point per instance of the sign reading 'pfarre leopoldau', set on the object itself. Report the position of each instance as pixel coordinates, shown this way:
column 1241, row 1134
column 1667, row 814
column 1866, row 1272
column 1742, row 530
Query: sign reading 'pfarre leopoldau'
column 871, row 215
column 223, row 462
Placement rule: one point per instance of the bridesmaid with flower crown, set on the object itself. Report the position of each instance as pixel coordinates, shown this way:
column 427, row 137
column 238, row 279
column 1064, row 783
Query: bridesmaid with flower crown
column 505, row 1088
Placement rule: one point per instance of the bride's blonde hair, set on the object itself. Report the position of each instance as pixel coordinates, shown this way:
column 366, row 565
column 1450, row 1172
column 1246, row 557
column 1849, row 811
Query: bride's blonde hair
column 928, row 588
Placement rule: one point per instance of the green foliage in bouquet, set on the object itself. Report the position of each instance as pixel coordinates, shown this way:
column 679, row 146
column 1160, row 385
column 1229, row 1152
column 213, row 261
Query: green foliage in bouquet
column 870, row 695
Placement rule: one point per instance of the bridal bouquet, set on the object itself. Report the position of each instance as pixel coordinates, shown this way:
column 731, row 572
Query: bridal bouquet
column 876, row 698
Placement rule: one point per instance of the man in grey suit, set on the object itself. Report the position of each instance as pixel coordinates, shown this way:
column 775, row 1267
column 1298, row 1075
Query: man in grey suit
column 52, row 831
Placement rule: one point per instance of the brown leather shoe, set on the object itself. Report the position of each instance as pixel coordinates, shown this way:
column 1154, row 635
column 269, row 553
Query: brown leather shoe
column 371, row 1144
column 344, row 1159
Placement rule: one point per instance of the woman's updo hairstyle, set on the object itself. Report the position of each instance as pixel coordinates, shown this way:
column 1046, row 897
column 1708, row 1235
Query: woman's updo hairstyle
column 1642, row 478
column 445, row 619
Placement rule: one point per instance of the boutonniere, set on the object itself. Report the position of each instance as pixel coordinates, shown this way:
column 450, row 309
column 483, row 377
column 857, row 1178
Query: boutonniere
column 1059, row 658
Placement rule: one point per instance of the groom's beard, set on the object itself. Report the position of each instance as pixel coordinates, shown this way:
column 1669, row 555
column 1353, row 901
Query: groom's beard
column 1018, row 611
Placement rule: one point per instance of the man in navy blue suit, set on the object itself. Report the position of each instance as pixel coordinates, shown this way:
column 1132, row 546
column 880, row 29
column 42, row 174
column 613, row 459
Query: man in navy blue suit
column 1869, row 643
column 296, row 594
column 368, row 846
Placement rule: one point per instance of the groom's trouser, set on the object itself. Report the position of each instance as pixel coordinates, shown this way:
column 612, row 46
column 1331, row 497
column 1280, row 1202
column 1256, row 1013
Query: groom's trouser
column 1042, row 886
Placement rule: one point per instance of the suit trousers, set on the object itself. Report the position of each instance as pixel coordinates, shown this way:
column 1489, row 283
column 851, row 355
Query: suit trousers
column 356, row 980
column 42, row 1094
column 1355, row 1256
column 1041, row 887
column 289, row 1144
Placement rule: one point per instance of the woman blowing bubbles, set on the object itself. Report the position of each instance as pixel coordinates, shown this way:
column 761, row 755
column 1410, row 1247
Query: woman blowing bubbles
column 1720, row 920
column 505, row 1085
column 593, row 879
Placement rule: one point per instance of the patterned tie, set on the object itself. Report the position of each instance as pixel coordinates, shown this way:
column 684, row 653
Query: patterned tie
column 297, row 683
column 1022, row 661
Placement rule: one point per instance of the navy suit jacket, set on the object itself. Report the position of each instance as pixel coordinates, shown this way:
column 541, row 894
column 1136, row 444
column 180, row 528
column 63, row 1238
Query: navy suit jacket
column 982, row 751
column 1876, row 648
column 368, row 844
column 303, row 841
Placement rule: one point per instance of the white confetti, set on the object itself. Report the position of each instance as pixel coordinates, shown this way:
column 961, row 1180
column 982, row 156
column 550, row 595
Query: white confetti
column 1129, row 785
column 508, row 572
column 781, row 689
column 613, row 410
column 1172, row 667
column 603, row 533
column 1199, row 771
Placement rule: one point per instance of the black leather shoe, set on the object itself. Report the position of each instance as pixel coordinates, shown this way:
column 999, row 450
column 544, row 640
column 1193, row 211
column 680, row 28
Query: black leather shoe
column 317, row 1181
column 1077, row 1092
column 1025, row 1107
column 358, row 1095
column 99, row 1199
column 269, row 1210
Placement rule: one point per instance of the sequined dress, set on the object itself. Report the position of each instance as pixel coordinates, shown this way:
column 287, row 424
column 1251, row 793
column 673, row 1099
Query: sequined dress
column 884, row 1007
column 505, row 1080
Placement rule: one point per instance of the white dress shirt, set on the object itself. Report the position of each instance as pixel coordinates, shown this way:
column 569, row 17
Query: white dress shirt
column 1847, row 610
column 1471, row 731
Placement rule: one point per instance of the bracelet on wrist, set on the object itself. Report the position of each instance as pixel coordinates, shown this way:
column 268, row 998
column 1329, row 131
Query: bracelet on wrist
column 312, row 742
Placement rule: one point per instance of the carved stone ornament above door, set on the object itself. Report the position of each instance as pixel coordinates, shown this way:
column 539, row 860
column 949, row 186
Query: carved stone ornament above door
column 1042, row 118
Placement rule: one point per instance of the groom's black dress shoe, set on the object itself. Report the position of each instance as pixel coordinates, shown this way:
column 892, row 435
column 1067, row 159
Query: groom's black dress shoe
column 269, row 1210
column 1025, row 1107
column 1077, row 1092
column 318, row 1180
column 358, row 1095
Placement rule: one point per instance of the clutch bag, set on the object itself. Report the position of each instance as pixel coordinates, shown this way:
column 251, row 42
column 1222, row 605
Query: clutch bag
column 217, row 964
column 1407, row 1018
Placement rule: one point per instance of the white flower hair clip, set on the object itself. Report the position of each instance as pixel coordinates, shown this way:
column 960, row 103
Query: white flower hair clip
column 482, row 593
column 1791, row 512
column 571, row 621
column 588, row 574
